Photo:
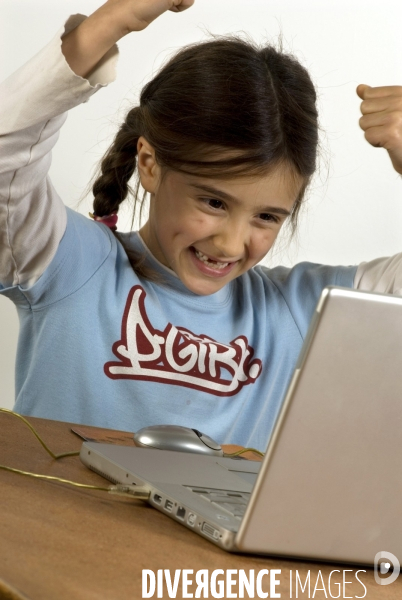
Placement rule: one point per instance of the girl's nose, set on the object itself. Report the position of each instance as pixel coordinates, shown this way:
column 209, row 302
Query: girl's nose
column 230, row 242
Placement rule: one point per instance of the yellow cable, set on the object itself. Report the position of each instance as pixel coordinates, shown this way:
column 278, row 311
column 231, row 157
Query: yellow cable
column 55, row 456
column 120, row 489
column 243, row 451
column 51, row 478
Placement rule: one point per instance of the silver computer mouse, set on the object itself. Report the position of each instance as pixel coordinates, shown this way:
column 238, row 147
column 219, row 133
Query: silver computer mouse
column 179, row 439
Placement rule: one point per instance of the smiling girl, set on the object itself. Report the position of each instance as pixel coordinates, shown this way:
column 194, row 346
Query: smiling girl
column 174, row 323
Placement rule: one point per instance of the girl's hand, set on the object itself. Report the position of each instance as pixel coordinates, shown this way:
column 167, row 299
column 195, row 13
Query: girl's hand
column 85, row 45
column 382, row 119
column 136, row 15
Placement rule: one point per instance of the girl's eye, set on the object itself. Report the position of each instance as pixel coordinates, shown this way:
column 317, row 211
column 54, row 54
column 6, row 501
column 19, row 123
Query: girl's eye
column 268, row 218
column 213, row 203
column 218, row 205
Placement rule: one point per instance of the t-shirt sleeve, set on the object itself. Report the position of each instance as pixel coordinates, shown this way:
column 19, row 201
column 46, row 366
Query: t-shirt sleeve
column 33, row 106
column 382, row 275
column 83, row 249
column 301, row 287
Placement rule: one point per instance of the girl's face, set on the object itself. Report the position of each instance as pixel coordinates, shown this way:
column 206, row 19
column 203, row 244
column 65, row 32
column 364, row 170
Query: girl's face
column 211, row 231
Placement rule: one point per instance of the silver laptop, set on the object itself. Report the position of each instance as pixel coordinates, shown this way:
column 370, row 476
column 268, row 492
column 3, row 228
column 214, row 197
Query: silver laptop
column 330, row 484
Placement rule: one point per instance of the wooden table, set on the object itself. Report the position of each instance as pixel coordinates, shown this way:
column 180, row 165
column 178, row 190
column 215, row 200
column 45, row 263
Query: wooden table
column 59, row 542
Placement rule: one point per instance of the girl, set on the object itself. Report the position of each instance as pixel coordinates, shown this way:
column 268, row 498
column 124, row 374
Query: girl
column 174, row 323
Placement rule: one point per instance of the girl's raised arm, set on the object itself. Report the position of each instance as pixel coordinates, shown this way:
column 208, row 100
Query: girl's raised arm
column 87, row 44
column 33, row 105
column 381, row 122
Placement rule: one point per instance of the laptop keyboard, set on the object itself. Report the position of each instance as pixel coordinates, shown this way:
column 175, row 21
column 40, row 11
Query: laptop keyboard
column 234, row 503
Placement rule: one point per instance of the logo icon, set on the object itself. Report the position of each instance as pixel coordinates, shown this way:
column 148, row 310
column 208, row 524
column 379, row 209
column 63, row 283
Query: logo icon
column 177, row 356
column 386, row 568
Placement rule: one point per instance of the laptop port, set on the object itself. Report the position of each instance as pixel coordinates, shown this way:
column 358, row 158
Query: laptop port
column 157, row 499
column 169, row 505
column 181, row 512
column 210, row 531
column 191, row 519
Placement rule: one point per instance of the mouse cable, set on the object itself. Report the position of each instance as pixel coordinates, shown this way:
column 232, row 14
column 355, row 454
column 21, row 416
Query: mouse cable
column 134, row 491
column 243, row 451
column 144, row 494
column 56, row 456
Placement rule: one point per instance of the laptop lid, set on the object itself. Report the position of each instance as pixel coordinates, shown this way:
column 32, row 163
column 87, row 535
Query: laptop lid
column 330, row 486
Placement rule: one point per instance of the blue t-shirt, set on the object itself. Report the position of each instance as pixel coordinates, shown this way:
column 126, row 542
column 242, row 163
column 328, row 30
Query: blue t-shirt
column 102, row 346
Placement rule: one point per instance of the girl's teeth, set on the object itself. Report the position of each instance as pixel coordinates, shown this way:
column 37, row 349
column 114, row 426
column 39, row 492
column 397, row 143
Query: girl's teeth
column 210, row 263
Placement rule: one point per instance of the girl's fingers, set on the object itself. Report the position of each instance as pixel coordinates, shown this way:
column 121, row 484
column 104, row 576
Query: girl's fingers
column 365, row 92
column 383, row 129
column 389, row 138
column 375, row 136
column 388, row 119
column 382, row 119
column 180, row 5
column 384, row 103
column 361, row 90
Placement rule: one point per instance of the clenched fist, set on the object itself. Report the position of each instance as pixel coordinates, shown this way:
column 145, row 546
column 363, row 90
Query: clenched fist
column 382, row 119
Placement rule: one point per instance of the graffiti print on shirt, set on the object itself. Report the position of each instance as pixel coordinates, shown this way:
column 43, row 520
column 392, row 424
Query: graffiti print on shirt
column 178, row 356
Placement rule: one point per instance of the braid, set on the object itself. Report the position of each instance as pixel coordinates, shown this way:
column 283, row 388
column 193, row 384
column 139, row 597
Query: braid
column 118, row 166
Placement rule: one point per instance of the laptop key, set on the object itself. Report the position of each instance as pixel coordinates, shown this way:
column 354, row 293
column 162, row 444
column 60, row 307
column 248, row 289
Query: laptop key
column 232, row 502
column 229, row 499
column 237, row 510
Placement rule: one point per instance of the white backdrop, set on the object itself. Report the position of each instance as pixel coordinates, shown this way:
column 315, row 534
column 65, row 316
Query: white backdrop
column 354, row 212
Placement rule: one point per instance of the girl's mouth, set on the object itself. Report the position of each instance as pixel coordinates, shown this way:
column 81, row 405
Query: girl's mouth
column 211, row 267
column 209, row 261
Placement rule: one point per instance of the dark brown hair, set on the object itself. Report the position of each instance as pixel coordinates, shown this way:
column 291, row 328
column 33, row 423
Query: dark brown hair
column 221, row 108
